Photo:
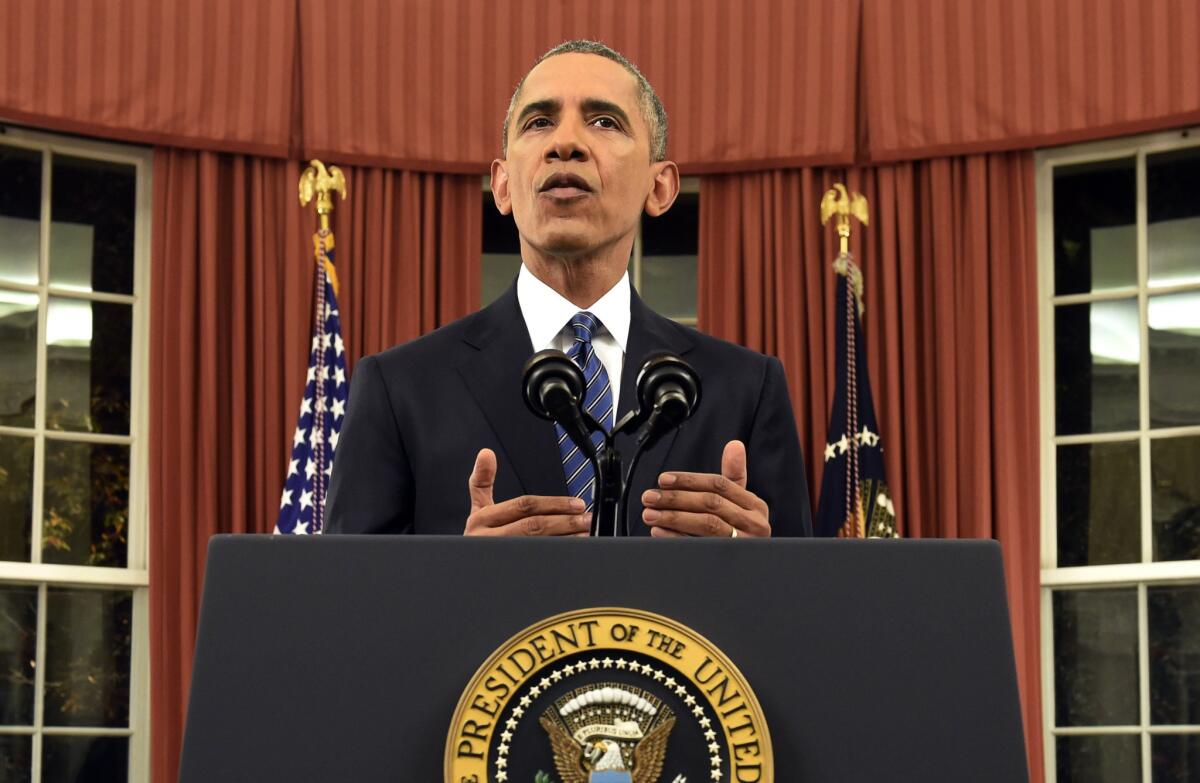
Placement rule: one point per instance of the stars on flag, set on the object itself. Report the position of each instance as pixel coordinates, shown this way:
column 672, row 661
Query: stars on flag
column 322, row 410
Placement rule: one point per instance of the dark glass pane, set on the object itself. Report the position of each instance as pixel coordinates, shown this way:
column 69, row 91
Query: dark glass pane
column 91, row 233
column 1174, row 322
column 16, row 498
column 1096, row 352
column 1173, row 211
column 18, row 357
column 1175, row 758
column 499, row 272
column 88, row 347
column 1095, row 235
column 85, row 759
column 676, row 232
column 1174, row 622
column 669, row 285
column 1175, row 497
column 1096, row 657
column 18, row 648
column 86, row 504
column 499, row 231
column 670, row 244
column 87, row 657
column 16, row 758
column 1115, row 758
column 20, row 212
column 1099, row 504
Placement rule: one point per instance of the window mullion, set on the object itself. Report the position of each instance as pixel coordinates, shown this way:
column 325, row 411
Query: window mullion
column 1144, row 362
column 39, row 685
column 1144, row 680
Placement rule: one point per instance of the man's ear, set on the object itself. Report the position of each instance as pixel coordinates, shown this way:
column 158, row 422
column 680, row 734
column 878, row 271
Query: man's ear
column 664, row 190
column 500, row 187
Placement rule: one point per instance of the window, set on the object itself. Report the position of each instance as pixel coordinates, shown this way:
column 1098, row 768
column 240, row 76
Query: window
column 74, row 248
column 662, row 268
column 1119, row 302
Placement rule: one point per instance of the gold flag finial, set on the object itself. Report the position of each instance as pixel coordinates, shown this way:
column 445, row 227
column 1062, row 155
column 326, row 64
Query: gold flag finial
column 321, row 182
column 837, row 201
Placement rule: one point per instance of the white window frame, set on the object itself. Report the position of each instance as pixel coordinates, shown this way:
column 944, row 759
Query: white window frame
column 1139, row 575
column 686, row 185
column 135, row 576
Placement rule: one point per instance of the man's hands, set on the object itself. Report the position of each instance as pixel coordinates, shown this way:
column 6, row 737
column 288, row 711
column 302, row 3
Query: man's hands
column 705, row 504
column 528, row 515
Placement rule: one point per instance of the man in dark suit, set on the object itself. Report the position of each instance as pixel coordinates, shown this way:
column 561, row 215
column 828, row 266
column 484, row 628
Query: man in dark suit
column 584, row 147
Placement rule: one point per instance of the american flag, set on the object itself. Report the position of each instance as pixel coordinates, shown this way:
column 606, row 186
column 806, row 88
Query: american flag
column 302, row 505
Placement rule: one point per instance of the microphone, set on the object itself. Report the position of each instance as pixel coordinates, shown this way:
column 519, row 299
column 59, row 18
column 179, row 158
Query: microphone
column 669, row 389
column 554, row 389
column 668, row 393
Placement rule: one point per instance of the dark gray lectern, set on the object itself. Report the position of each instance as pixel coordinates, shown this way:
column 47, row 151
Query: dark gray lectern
column 341, row 659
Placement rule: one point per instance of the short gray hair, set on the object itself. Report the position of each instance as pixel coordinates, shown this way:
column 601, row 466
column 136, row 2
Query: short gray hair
column 652, row 108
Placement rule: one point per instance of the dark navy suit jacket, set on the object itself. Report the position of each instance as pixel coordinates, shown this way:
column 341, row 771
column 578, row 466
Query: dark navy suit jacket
column 419, row 413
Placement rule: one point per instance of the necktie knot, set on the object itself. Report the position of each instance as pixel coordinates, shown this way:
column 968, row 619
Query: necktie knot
column 583, row 324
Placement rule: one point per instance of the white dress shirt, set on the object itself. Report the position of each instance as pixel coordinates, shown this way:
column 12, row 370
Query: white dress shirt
column 548, row 317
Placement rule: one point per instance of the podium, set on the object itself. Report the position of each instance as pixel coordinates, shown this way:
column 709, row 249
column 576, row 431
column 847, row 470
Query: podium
column 344, row 658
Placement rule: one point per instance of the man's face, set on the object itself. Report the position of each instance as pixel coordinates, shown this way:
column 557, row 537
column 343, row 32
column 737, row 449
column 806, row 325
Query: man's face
column 578, row 171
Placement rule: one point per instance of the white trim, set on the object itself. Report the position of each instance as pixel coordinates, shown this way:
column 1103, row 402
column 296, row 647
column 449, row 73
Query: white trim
column 1122, row 574
column 84, row 576
column 1141, row 575
column 135, row 577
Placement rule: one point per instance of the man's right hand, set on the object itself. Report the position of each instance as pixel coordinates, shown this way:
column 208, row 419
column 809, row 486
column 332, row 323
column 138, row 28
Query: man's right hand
column 528, row 515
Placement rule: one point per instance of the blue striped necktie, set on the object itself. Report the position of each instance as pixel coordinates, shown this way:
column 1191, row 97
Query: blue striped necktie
column 597, row 400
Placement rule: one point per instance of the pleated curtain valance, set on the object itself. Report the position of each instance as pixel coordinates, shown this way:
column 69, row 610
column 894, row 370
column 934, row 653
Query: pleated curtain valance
column 751, row 85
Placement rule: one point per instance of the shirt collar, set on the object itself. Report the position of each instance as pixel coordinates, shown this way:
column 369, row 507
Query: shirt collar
column 547, row 312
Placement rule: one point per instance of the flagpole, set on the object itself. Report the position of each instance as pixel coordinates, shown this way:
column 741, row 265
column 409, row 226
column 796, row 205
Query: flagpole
column 314, row 443
column 842, row 205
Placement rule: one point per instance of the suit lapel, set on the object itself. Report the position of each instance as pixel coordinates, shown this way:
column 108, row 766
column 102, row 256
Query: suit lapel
column 493, row 376
column 649, row 332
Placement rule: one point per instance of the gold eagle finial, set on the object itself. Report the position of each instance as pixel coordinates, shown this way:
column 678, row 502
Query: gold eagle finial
column 838, row 201
column 323, row 183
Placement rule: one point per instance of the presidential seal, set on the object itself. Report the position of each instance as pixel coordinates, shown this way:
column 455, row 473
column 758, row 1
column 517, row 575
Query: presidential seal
column 608, row 695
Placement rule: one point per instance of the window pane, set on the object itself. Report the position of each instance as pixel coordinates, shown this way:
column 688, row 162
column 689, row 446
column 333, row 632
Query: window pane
column 18, row 648
column 1096, row 351
column 1096, row 657
column 91, row 236
column 20, row 212
column 16, row 498
column 1095, row 235
column 499, row 272
column 1174, row 622
column 670, row 243
column 87, row 657
column 16, row 758
column 86, row 504
column 1174, row 359
column 1099, row 504
column 669, row 285
column 85, row 759
column 88, row 348
column 1113, row 758
column 1176, row 758
column 1175, row 498
column 18, row 357
column 1173, row 212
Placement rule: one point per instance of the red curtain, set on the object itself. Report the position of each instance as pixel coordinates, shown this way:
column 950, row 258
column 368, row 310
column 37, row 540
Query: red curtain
column 215, row 74
column 944, row 77
column 760, row 84
column 950, row 325
column 232, row 292
column 753, row 84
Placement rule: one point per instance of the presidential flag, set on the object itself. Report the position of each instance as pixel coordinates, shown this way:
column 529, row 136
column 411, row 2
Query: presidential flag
column 302, row 505
column 855, row 501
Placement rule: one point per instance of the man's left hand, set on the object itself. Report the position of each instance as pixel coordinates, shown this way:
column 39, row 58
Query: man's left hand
column 707, row 504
